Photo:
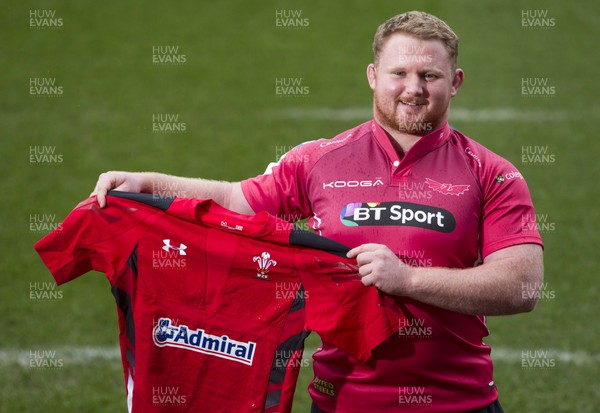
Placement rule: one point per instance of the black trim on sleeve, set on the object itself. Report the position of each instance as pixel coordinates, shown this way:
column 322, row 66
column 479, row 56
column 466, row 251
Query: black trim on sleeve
column 310, row 239
column 160, row 202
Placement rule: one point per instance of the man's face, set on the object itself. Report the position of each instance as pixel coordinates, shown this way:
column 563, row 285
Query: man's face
column 413, row 82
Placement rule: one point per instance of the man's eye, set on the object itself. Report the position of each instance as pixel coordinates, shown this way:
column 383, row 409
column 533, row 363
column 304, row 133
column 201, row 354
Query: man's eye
column 430, row 76
column 400, row 73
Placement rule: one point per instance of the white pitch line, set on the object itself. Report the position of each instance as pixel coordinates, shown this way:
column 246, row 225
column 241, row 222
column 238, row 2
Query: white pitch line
column 67, row 355
column 456, row 114
column 516, row 356
column 85, row 354
column 511, row 355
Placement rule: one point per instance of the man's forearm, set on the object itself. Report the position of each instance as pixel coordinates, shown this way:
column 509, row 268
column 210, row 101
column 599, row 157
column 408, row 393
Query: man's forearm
column 227, row 194
column 480, row 290
column 508, row 281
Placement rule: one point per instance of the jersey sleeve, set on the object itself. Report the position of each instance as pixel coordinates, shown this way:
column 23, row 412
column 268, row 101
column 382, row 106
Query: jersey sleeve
column 281, row 189
column 508, row 213
column 90, row 238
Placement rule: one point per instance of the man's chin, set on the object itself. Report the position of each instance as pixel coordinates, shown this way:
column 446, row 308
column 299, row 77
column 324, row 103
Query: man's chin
column 411, row 124
column 415, row 128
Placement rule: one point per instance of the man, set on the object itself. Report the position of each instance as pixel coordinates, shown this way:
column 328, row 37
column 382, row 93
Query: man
column 435, row 219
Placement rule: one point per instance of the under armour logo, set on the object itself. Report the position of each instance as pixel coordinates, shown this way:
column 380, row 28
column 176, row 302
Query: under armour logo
column 168, row 246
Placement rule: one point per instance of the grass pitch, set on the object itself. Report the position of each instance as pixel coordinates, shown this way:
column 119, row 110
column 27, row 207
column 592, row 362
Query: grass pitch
column 97, row 84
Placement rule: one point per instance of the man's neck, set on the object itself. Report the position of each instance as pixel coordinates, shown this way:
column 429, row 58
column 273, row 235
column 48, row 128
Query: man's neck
column 402, row 141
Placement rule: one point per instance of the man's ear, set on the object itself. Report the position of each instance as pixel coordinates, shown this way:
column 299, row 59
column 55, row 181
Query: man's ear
column 371, row 75
column 457, row 81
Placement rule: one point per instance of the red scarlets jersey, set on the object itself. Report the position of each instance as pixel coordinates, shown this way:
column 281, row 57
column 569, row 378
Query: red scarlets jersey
column 214, row 306
column 447, row 202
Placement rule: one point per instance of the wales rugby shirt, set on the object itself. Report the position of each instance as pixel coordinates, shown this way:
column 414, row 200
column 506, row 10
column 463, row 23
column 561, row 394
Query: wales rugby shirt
column 214, row 306
column 447, row 202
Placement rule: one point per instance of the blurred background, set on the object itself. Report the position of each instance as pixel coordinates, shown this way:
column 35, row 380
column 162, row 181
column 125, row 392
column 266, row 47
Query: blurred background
column 203, row 89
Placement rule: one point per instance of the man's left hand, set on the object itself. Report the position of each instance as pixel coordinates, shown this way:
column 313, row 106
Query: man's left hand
column 380, row 267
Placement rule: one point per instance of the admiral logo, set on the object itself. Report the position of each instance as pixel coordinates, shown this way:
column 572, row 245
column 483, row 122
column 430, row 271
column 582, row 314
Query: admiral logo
column 447, row 189
column 353, row 184
column 264, row 263
column 398, row 214
column 167, row 335
column 500, row 179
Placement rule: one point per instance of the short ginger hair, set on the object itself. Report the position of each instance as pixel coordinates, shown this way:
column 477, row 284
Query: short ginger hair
column 418, row 24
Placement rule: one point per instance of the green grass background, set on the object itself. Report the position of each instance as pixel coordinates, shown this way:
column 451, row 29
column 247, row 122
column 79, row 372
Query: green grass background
column 102, row 56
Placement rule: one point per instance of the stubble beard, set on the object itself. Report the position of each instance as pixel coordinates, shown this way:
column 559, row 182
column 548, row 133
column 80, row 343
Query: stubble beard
column 418, row 125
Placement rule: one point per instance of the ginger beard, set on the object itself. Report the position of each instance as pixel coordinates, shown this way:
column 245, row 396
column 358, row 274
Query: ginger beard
column 418, row 120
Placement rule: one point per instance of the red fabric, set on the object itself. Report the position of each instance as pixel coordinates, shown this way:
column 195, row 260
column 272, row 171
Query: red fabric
column 210, row 277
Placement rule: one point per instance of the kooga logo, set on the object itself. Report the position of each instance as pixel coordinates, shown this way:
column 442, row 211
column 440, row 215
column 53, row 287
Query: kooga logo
column 397, row 214
column 353, row 184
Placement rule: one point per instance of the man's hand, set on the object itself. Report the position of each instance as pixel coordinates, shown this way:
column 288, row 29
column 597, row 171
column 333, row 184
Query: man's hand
column 121, row 181
column 380, row 267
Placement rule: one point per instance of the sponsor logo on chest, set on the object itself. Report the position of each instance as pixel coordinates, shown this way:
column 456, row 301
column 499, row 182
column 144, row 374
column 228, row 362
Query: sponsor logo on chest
column 165, row 334
column 398, row 214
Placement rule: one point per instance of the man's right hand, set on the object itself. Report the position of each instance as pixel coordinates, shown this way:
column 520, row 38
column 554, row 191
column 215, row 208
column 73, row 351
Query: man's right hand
column 121, row 181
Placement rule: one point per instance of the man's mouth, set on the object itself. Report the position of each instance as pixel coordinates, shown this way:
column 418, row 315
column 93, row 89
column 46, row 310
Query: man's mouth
column 409, row 103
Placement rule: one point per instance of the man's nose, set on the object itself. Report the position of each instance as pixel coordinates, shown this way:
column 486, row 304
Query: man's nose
column 414, row 85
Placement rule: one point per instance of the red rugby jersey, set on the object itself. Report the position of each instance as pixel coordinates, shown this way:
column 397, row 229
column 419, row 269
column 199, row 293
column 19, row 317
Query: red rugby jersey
column 447, row 202
column 214, row 306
